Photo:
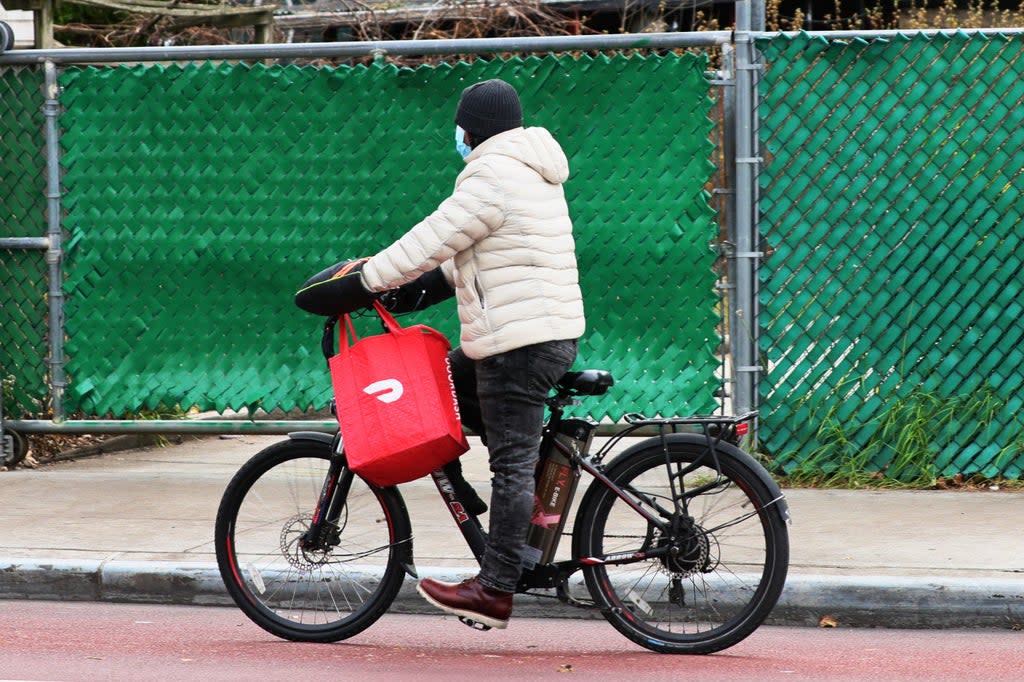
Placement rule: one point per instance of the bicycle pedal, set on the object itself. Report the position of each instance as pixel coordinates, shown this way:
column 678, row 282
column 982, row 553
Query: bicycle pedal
column 475, row 625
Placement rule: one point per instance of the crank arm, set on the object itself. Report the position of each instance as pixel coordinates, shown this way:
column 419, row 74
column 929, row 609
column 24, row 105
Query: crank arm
column 619, row 558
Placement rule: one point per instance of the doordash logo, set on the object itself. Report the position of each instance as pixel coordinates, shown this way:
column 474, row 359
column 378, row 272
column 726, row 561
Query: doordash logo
column 386, row 390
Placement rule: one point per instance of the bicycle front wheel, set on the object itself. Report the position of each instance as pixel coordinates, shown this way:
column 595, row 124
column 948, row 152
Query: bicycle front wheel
column 720, row 553
column 321, row 595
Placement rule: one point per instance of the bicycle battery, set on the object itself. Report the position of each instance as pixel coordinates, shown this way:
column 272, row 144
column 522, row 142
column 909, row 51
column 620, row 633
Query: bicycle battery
column 556, row 486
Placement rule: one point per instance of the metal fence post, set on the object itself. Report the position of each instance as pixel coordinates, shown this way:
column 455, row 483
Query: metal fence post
column 728, row 82
column 54, row 252
column 744, row 334
column 757, row 16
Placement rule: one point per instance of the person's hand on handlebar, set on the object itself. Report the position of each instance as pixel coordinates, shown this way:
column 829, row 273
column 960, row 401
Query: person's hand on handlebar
column 419, row 294
column 335, row 291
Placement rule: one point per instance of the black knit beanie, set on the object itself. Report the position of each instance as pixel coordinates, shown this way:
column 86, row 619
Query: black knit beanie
column 488, row 108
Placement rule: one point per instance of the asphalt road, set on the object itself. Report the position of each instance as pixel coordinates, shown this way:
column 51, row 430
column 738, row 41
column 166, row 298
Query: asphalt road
column 95, row 641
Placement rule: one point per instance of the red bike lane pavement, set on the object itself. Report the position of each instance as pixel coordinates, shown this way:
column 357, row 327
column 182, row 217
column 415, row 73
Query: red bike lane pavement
column 94, row 641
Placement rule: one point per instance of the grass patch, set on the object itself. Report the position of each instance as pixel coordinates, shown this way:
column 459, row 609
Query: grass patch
column 908, row 444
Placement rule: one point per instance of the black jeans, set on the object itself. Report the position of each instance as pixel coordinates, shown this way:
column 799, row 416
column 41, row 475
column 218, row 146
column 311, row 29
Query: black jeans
column 502, row 397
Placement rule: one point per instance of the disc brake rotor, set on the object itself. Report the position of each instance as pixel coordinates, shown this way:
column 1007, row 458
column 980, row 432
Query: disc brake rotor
column 693, row 551
column 298, row 556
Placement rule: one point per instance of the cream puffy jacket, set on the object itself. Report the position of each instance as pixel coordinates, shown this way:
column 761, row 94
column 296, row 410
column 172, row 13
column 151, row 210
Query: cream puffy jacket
column 504, row 241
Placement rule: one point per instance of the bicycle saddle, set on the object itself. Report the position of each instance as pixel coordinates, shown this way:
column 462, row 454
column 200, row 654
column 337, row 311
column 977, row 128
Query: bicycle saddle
column 587, row 382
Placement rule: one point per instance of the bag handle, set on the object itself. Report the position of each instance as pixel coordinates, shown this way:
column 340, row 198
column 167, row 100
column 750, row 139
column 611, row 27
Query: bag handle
column 389, row 321
column 327, row 341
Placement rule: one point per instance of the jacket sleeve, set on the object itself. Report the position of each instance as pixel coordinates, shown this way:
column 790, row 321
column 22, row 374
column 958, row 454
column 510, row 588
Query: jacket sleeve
column 473, row 211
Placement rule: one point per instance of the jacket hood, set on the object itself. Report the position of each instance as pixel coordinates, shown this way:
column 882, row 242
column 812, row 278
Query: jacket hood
column 533, row 146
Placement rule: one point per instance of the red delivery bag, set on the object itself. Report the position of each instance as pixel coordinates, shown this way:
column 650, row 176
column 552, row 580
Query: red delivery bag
column 396, row 402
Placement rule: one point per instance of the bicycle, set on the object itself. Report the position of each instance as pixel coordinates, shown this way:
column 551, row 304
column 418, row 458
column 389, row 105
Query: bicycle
column 682, row 538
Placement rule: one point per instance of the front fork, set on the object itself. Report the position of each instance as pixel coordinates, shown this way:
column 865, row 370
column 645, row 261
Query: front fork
column 324, row 532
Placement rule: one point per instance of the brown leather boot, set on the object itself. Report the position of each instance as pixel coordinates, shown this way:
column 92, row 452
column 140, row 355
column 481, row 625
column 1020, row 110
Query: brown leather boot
column 469, row 599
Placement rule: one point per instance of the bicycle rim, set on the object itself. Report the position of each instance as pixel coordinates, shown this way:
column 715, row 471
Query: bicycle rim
column 731, row 554
column 296, row 594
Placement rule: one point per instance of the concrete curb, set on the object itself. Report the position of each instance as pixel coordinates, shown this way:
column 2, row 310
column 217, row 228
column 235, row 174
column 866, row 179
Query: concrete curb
column 902, row 602
column 862, row 601
column 116, row 581
column 106, row 447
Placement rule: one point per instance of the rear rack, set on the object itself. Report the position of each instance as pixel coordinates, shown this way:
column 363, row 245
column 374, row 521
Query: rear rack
column 638, row 420
column 714, row 427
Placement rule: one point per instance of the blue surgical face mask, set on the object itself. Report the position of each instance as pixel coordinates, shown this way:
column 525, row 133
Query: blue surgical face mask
column 460, row 143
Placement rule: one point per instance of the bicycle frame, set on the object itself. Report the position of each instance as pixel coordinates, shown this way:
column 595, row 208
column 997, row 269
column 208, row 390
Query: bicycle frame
column 468, row 524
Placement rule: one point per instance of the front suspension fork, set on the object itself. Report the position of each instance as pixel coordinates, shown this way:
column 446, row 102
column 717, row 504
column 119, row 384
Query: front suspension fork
column 323, row 528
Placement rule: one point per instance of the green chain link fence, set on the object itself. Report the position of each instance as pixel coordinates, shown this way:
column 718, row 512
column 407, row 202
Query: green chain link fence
column 893, row 214
column 199, row 197
column 23, row 315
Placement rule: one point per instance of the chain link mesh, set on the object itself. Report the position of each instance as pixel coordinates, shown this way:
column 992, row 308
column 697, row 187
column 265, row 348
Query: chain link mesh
column 893, row 213
column 22, row 214
column 199, row 197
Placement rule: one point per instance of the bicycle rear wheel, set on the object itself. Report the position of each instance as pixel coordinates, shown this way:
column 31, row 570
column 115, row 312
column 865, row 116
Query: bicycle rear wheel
column 308, row 595
column 723, row 554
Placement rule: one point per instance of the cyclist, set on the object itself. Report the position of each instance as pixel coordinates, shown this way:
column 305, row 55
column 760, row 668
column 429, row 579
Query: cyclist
column 502, row 244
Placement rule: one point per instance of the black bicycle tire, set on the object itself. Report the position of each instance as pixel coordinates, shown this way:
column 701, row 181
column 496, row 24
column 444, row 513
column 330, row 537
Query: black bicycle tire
column 372, row 609
column 6, row 37
column 598, row 503
column 19, row 449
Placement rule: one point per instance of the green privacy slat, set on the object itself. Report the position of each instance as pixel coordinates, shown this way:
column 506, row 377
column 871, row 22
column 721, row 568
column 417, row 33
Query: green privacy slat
column 23, row 313
column 911, row 287
column 200, row 196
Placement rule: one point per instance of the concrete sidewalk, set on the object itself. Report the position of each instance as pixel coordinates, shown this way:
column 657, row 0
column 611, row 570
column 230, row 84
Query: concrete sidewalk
column 138, row 526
